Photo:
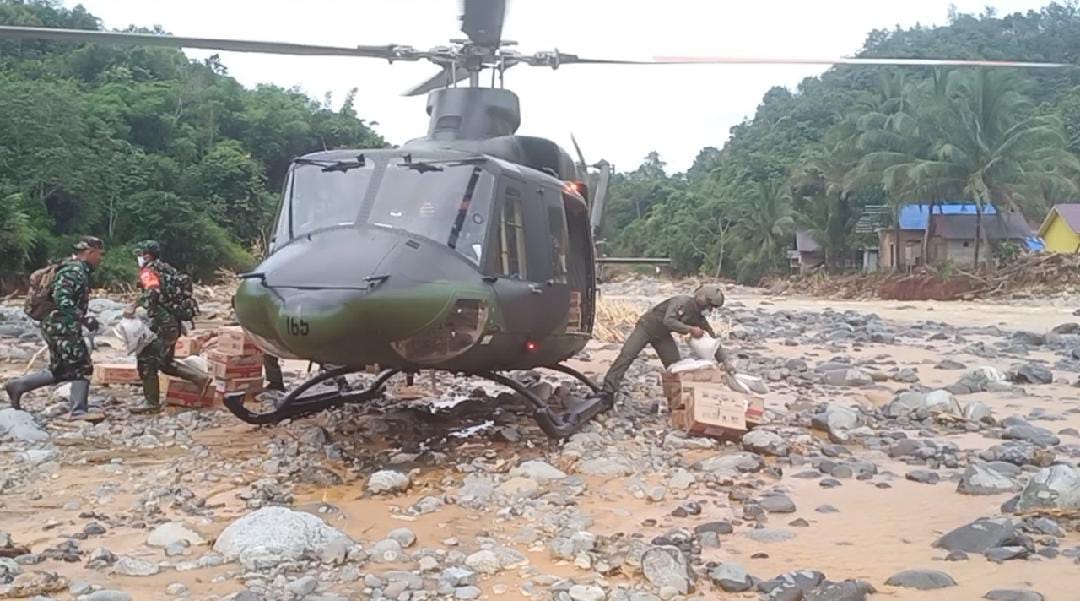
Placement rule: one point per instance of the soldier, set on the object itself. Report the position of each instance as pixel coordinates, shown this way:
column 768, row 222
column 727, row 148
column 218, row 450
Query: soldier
column 69, row 355
column 679, row 314
column 159, row 283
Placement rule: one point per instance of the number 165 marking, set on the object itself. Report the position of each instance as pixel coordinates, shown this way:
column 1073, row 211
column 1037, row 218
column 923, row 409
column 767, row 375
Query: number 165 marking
column 297, row 327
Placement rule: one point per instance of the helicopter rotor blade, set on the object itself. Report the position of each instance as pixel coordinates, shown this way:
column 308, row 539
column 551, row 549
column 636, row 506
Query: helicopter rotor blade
column 895, row 62
column 439, row 80
column 555, row 59
column 482, row 21
column 388, row 51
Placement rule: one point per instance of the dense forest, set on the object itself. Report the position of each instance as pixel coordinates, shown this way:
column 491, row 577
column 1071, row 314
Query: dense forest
column 133, row 143
column 129, row 143
column 812, row 159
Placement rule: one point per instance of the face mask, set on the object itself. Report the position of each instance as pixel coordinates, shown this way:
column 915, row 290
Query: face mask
column 141, row 261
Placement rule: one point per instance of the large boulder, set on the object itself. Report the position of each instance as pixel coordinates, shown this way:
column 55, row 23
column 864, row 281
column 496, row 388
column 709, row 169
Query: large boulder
column 979, row 536
column 979, row 479
column 837, row 421
column 1031, row 373
column 273, row 535
column 666, row 566
column 1033, row 434
column 1056, row 487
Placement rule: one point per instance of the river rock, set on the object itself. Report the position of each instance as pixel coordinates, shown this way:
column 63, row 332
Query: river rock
column 978, row 536
column 21, row 426
column 1056, row 488
column 132, row 566
column 1033, row 434
column 847, row 377
column 978, row 412
column 923, row 580
column 837, row 421
column 731, row 464
column 666, row 566
column 979, row 479
column 388, row 481
column 1005, row 594
column 777, row 504
column 538, row 470
column 765, row 443
column 273, row 535
column 581, row 592
column 850, row 590
column 942, row 401
column 173, row 532
column 1031, row 373
column 731, row 578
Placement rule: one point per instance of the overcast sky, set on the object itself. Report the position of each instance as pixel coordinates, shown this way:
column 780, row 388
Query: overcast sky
column 616, row 112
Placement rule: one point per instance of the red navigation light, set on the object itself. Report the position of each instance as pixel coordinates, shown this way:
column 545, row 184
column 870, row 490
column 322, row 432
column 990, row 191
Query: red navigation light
column 531, row 346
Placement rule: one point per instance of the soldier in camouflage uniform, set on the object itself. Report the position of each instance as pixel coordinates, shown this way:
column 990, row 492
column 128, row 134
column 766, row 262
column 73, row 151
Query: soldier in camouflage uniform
column 679, row 315
column 159, row 355
column 69, row 356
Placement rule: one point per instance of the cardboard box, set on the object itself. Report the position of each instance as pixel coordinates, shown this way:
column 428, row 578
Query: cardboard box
column 116, row 373
column 182, row 393
column 186, row 347
column 232, row 340
column 228, row 360
column 713, row 410
column 238, row 385
column 226, row 371
column 673, row 383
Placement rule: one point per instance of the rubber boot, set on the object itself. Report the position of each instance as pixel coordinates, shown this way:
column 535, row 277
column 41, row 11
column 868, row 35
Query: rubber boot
column 152, row 394
column 196, row 377
column 80, row 403
column 17, row 387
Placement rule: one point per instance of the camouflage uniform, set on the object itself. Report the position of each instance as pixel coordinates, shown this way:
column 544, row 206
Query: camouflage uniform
column 69, row 357
column 159, row 355
column 676, row 314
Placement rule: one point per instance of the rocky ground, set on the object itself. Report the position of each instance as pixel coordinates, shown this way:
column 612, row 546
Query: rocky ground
column 919, row 451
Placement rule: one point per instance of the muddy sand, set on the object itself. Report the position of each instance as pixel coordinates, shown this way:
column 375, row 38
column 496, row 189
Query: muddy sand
column 133, row 473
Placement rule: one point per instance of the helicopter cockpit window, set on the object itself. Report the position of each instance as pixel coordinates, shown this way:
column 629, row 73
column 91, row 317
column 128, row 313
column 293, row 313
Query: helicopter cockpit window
column 318, row 198
column 447, row 203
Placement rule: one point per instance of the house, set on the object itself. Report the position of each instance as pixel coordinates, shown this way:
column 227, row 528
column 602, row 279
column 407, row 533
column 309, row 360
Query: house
column 952, row 237
column 1061, row 229
column 807, row 254
column 902, row 247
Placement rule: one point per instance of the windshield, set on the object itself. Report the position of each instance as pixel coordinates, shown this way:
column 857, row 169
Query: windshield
column 450, row 204
column 316, row 198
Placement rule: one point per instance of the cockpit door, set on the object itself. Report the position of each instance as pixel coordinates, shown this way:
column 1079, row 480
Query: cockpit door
column 520, row 260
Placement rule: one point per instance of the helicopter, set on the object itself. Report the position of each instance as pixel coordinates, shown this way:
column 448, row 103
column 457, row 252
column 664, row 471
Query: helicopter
column 469, row 250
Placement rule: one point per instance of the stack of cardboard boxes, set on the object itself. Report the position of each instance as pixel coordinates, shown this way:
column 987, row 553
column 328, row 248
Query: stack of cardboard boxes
column 236, row 365
column 711, row 402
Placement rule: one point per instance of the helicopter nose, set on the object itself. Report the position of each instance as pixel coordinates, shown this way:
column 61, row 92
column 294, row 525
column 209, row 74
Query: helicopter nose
column 354, row 296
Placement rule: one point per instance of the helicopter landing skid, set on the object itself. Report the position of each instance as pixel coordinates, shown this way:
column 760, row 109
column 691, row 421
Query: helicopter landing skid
column 555, row 424
column 293, row 405
column 558, row 425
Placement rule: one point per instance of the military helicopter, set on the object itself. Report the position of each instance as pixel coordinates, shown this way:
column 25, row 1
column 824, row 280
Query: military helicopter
column 468, row 250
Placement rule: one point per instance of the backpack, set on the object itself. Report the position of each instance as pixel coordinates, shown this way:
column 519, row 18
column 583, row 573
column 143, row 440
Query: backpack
column 39, row 299
column 177, row 295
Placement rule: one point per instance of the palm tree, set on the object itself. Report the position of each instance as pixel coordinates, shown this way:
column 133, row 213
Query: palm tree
column 989, row 149
column 763, row 229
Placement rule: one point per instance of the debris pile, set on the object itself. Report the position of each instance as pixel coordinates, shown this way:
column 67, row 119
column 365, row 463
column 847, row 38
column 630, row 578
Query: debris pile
column 614, row 320
column 1027, row 276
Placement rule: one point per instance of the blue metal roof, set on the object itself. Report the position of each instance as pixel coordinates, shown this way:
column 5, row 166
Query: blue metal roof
column 916, row 216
